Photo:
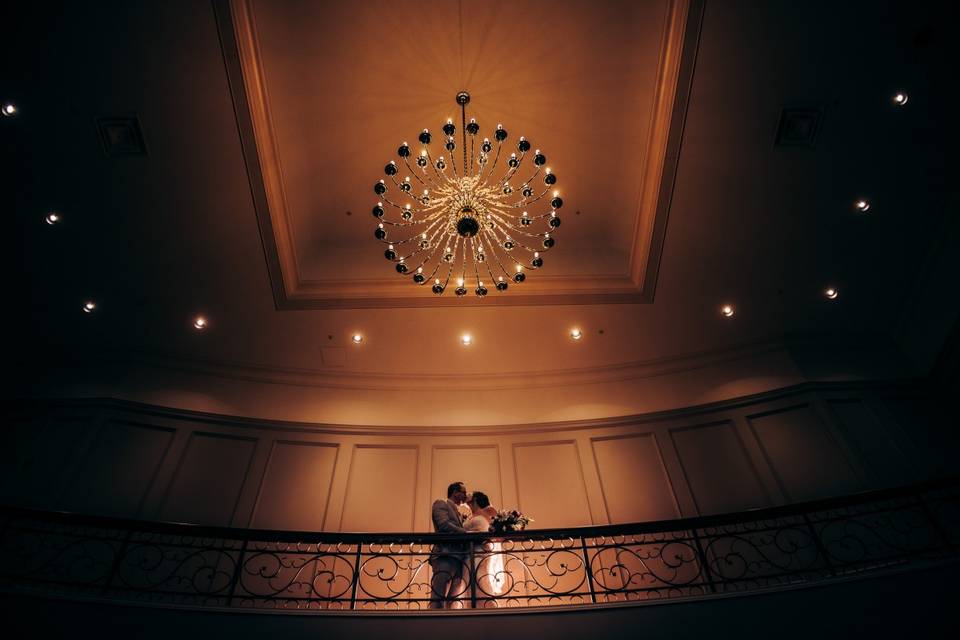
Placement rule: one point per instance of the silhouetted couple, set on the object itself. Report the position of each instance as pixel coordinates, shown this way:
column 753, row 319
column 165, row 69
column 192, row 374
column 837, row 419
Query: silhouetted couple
column 449, row 559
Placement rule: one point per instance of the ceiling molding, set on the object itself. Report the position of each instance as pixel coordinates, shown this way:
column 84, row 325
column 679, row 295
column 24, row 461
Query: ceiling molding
column 679, row 44
column 339, row 378
column 26, row 406
column 678, row 57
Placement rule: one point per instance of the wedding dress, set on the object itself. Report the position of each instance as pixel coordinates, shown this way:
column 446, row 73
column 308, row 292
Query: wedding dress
column 477, row 524
column 489, row 561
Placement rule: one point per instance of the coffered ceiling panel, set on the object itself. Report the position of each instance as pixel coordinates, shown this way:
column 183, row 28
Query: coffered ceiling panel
column 326, row 92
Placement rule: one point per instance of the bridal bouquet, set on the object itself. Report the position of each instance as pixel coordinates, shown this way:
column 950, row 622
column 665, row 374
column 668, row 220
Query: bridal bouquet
column 506, row 521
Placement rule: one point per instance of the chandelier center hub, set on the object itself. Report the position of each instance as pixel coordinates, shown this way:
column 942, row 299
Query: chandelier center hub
column 467, row 225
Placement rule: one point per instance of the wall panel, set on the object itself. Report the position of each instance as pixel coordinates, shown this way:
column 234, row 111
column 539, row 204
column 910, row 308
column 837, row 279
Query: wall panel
column 634, row 481
column 43, row 450
column 209, row 478
column 105, row 455
column 115, row 475
column 805, row 458
column 295, row 491
column 550, row 484
column 381, row 489
column 872, row 442
column 16, row 456
column 478, row 466
column 718, row 469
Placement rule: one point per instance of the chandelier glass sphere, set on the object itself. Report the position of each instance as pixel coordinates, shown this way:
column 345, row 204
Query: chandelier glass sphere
column 467, row 216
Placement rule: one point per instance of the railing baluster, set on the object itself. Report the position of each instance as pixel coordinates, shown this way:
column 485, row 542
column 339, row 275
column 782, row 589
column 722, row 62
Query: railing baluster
column 356, row 577
column 115, row 566
column 704, row 565
column 588, row 569
column 821, row 548
column 473, row 576
column 941, row 532
column 238, row 568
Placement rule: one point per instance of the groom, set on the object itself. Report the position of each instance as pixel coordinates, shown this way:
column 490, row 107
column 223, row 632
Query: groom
column 448, row 558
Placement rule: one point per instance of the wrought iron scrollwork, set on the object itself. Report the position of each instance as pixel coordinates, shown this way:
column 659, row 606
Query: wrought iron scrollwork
column 889, row 530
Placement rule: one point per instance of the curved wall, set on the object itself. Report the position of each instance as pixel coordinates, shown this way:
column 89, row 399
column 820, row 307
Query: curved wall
column 126, row 459
column 346, row 397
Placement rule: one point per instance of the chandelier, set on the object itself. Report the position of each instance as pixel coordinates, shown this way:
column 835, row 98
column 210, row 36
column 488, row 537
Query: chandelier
column 457, row 218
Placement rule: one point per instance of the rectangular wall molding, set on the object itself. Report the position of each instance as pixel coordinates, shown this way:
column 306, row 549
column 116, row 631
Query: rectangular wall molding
column 155, row 463
column 633, row 479
column 550, row 483
column 806, row 460
column 718, row 469
column 294, row 493
column 381, row 489
column 209, row 479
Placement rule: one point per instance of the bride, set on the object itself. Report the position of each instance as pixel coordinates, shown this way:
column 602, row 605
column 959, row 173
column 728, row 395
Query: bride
column 490, row 562
column 481, row 513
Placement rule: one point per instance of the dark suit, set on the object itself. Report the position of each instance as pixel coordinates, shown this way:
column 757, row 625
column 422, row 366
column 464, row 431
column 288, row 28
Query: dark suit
column 447, row 559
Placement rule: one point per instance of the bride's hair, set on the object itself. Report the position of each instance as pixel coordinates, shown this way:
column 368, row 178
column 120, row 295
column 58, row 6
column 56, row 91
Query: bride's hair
column 480, row 499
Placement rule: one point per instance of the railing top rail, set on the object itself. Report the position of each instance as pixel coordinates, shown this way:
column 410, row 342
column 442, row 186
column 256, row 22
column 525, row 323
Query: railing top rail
column 323, row 537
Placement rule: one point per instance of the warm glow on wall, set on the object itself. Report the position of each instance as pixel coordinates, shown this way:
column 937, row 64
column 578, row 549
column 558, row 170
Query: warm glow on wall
column 200, row 323
column 466, row 339
column 727, row 310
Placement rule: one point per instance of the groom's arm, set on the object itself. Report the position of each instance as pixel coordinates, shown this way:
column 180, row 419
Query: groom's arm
column 443, row 521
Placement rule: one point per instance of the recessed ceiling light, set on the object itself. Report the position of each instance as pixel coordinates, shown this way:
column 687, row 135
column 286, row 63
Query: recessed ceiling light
column 200, row 323
column 8, row 109
column 727, row 310
column 466, row 340
column 357, row 338
column 861, row 205
column 900, row 98
column 52, row 218
column 576, row 334
column 89, row 306
column 831, row 293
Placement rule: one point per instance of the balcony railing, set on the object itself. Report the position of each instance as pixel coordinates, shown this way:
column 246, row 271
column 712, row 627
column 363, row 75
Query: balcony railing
column 71, row 555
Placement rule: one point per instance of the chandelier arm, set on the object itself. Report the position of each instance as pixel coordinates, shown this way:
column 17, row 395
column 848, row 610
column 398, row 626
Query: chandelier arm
column 415, row 236
column 404, row 208
column 486, row 263
column 409, row 194
column 396, row 183
column 432, row 248
column 496, row 159
column 535, row 174
column 446, row 280
column 443, row 179
column 513, row 170
column 509, row 255
column 507, row 273
column 525, row 202
column 411, row 223
column 453, row 165
column 526, row 183
column 476, row 269
column 433, row 274
column 494, row 214
column 414, row 172
column 463, row 266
